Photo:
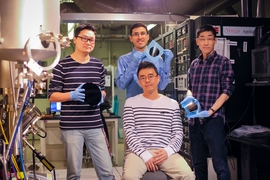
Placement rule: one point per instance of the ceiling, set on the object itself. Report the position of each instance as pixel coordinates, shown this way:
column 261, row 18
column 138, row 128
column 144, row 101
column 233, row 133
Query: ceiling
column 177, row 7
column 115, row 14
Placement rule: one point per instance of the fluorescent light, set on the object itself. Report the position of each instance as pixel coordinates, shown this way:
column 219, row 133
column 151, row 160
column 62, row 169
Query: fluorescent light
column 71, row 27
column 150, row 26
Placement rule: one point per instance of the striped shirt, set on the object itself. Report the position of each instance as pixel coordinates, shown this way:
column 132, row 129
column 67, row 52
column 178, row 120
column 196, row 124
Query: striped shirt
column 150, row 124
column 67, row 76
column 209, row 79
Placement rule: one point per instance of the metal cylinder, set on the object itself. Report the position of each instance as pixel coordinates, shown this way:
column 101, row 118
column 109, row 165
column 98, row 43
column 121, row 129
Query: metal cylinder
column 6, row 68
column 260, row 9
column 192, row 107
column 246, row 6
column 22, row 19
column 31, row 115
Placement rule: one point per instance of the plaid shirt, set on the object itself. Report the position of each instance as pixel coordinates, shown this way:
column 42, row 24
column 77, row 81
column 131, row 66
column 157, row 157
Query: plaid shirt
column 210, row 78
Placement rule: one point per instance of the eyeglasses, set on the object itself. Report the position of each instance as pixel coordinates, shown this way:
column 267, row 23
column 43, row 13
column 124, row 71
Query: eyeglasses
column 136, row 34
column 208, row 39
column 91, row 40
column 150, row 77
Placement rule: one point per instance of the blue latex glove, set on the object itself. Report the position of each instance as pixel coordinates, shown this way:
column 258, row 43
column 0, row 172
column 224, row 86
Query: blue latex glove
column 165, row 67
column 168, row 56
column 201, row 114
column 196, row 113
column 101, row 100
column 77, row 95
column 137, row 58
column 187, row 99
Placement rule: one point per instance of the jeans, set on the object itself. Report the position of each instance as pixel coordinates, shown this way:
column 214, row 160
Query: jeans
column 94, row 140
column 209, row 136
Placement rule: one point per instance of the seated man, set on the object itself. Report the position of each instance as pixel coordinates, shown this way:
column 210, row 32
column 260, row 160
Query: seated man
column 153, row 131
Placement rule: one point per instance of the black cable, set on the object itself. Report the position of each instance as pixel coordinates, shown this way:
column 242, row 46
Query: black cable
column 104, row 124
column 54, row 174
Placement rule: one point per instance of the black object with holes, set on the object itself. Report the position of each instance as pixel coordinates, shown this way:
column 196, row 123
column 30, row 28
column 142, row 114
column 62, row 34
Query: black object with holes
column 92, row 94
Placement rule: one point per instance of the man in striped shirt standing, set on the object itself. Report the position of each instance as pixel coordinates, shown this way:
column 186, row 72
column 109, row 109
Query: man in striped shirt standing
column 153, row 131
column 79, row 121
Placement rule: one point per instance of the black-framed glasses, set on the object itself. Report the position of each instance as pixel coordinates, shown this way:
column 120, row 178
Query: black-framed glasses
column 150, row 77
column 137, row 34
column 91, row 40
column 206, row 39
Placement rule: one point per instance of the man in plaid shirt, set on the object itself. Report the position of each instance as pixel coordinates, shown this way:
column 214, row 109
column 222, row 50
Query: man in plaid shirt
column 211, row 81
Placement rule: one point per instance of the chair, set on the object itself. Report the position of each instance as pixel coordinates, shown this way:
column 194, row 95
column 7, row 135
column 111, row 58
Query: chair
column 158, row 175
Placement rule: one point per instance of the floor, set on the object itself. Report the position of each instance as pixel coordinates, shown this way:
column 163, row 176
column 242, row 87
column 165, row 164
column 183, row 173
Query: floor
column 88, row 172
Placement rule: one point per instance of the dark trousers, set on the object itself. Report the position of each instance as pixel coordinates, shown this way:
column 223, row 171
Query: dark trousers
column 209, row 137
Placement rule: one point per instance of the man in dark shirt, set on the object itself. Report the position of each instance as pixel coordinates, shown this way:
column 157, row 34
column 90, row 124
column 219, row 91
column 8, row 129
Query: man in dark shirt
column 211, row 81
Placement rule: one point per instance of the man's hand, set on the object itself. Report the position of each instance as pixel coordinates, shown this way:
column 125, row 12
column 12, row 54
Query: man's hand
column 101, row 99
column 77, row 95
column 138, row 57
column 187, row 99
column 151, row 166
column 201, row 114
column 104, row 93
column 160, row 156
column 168, row 56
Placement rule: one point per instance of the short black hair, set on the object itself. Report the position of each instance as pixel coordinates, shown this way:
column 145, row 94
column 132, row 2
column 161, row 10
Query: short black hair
column 136, row 25
column 146, row 65
column 83, row 27
column 206, row 27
